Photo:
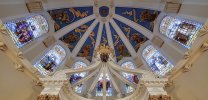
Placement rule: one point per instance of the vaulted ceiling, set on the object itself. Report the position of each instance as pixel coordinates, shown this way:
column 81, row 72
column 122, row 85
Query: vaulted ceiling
column 115, row 32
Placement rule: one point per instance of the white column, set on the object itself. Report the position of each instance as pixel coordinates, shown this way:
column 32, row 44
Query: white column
column 84, row 38
column 124, row 39
column 104, row 82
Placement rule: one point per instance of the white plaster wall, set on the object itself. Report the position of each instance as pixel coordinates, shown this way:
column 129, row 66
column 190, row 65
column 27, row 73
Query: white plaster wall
column 193, row 84
column 15, row 85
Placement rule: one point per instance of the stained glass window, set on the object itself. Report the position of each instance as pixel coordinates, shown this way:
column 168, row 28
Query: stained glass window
column 50, row 61
column 131, row 77
column 27, row 29
column 99, row 86
column 77, row 76
column 181, row 30
column 157, row 62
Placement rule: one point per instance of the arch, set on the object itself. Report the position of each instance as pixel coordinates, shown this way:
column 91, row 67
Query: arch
column 180, row 30
column 156, row 61
column 27, row 29
column 77, row 76
column 49, row 62
column 131, row 77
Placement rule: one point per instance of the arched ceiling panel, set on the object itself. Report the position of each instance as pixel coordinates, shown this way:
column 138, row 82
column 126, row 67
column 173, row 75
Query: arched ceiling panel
column 136, row 38
column 104, row 38
column 120, row 48
column 143, row 17
column 89, row 45
column 66, row 16
column 71, row 39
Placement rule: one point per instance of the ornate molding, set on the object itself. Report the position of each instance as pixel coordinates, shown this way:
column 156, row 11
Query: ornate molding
column 159, row 97
column 187, row 55
column 37, row 83
column 204, row 46
column 19, row 67
column 204, row 30
column 3, row 46
column 20, row 55
column 48, row 97
column 3, row 30
column 170, row 83
column 187, row 68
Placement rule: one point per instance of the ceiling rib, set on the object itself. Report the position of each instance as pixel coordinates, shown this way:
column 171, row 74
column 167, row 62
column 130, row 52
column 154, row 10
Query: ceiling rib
column 72, row 26
column 123, row 38
column 135, row 26
column 84, row 38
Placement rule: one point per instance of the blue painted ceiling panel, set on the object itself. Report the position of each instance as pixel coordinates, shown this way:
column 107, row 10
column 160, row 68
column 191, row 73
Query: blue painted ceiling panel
column 89, row 45
column 66, row 16
column 71, row 39
column 143, row 17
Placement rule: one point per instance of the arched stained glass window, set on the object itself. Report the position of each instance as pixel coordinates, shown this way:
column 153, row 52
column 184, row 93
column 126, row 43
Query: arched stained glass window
column 181, row 30
column 77, row 76
column 131, row 77
column 50, row 61
column 157, row 62
column 27, row 29
column 99, row 86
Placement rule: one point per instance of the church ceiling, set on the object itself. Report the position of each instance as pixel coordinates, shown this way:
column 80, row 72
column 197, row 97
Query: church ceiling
column 143, row 17
column 72, row 38
column 135, row 38
column 67, row 16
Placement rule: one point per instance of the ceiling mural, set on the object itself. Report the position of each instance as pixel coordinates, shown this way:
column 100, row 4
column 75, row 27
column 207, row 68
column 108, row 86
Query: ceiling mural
column 119, row 46
column 103, row 13
column 72, row 38
column 143, row 17
column 135, row 38
column 89, row 45
column 66, row 16
column 104, row 39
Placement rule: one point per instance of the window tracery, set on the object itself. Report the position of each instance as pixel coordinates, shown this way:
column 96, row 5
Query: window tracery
column 131, row 77
column 77, row 76
column 51, row 59
column 23, row 31
column 157, row 62
column 181, row 30
column 99, row 86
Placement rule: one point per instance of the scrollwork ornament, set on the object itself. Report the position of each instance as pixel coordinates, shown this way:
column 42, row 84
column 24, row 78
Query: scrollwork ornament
column 187, row 55
column 204, row 30
column 3, row 46
column 3, row 30
column 20, row 55
column 20, row 67
column 187, row 68
column 204, row 46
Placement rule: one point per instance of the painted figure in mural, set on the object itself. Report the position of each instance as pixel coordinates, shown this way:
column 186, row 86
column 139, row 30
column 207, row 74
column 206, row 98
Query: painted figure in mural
column 77, row 13
column 92, row 35
column 24, row 31
column 104, row 41
column 71, row 38
column 85, row 51
column 149, row 17
column 122, row 50
column 117, row 40
column 138, row 39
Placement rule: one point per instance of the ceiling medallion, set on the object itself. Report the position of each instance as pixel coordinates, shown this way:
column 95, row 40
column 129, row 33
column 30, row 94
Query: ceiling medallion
column 103, row 9
column 104, row 52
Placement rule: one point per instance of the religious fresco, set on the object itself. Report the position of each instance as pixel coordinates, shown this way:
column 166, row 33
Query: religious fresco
column 143, row 17
column 66, row 16
column 89, row 45
column 120, row 48
column 135, row 38
column 71, row 39
column 104, row 39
